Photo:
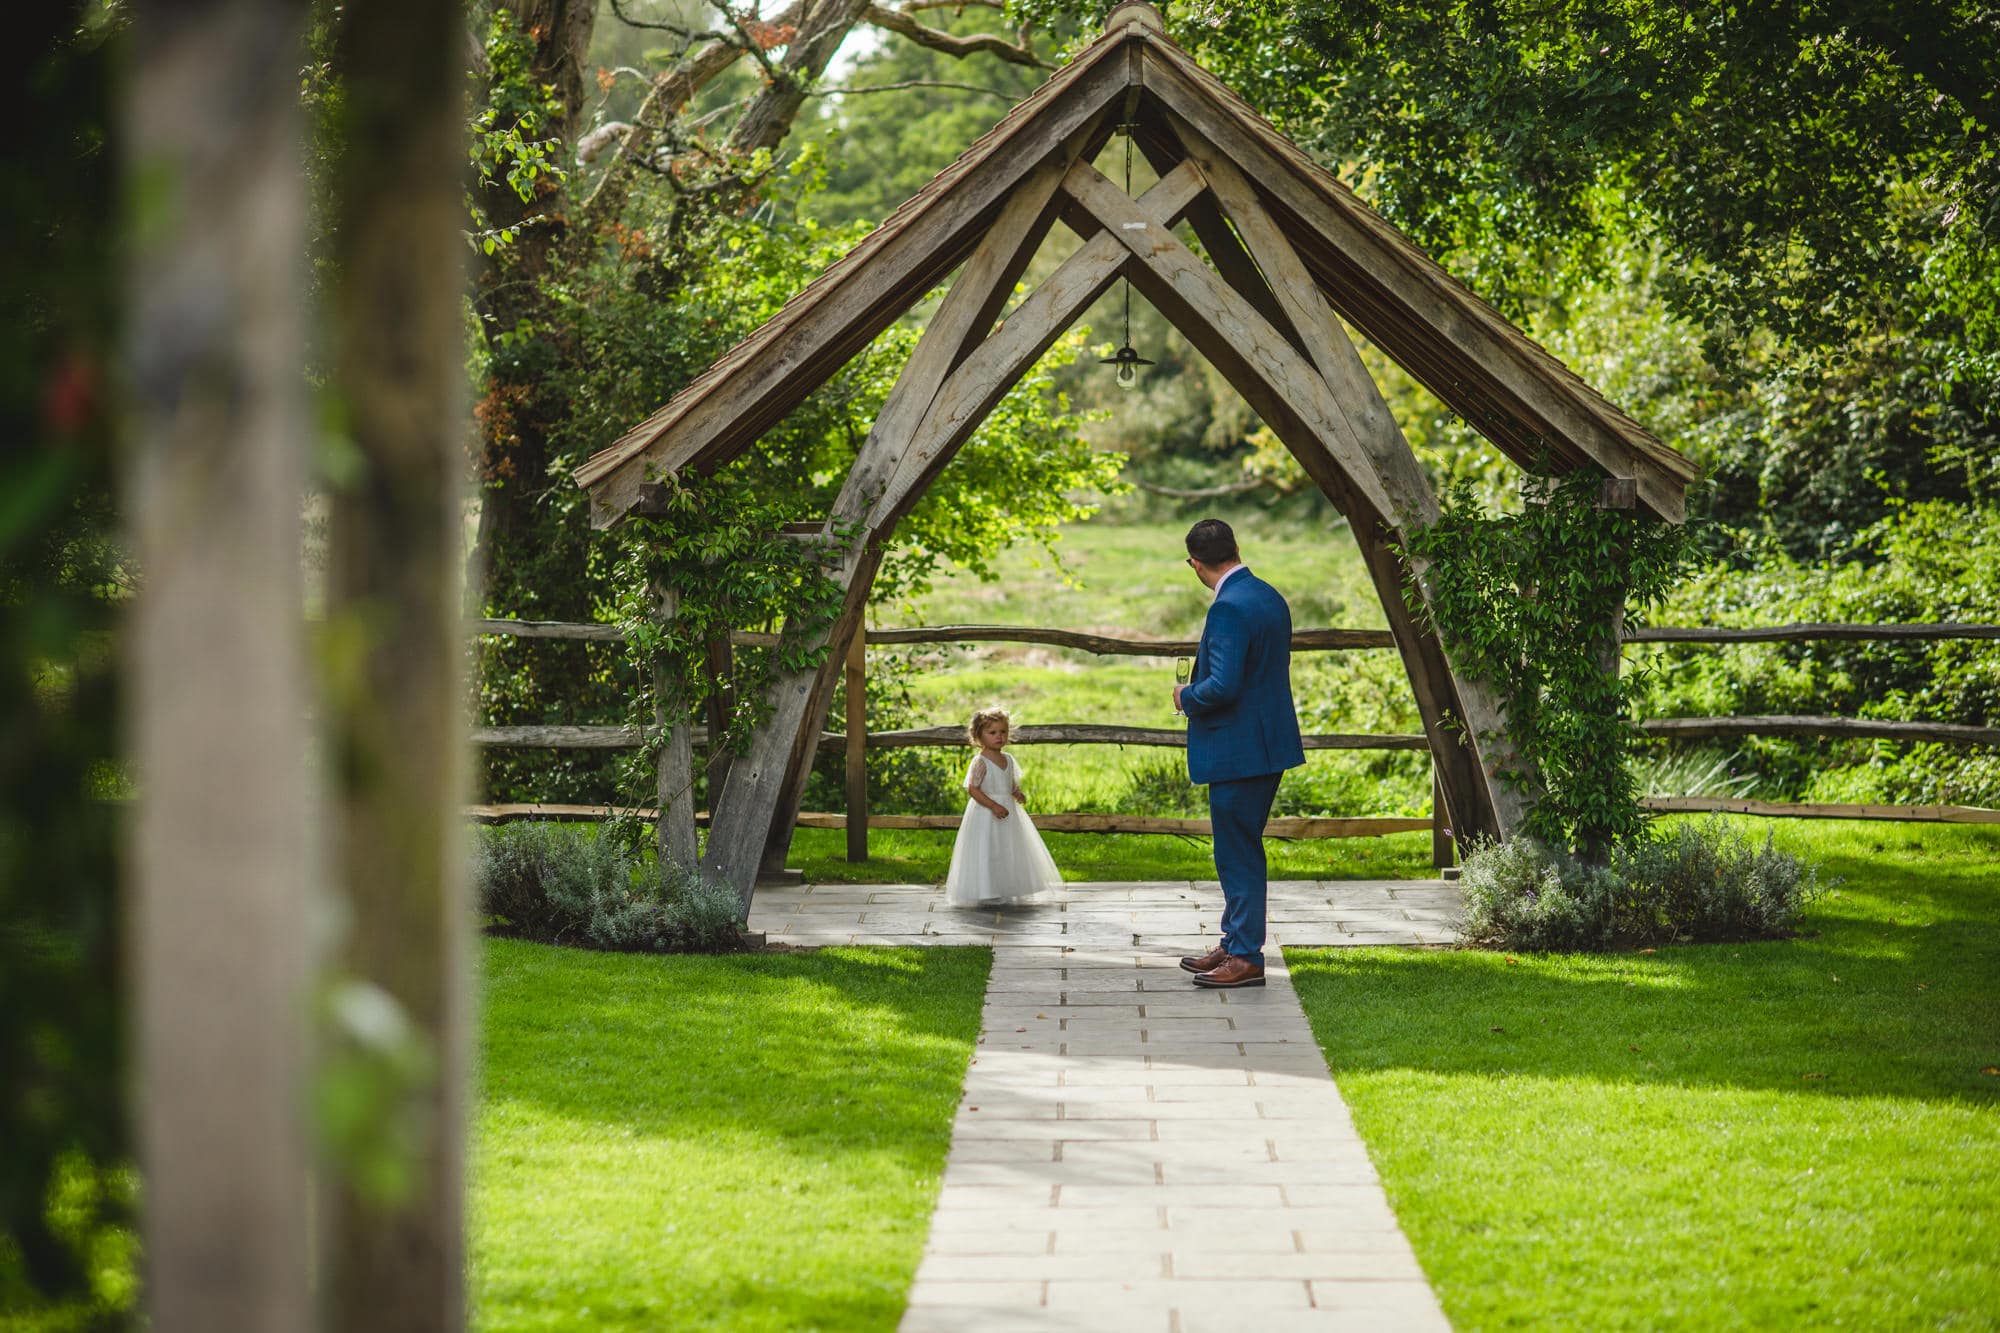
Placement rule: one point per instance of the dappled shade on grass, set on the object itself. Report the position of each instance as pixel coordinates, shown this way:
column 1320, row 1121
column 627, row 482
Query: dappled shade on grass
column 740, row 1142
column 1788, row 1134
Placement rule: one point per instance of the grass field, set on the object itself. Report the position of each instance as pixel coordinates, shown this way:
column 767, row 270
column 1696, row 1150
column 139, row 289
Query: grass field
column 1799, row 1134
column 748, row 1142
column 1129, row 579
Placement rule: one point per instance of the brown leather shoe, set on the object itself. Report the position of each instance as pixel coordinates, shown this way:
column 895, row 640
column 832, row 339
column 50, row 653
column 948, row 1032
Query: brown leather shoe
column 1233, row 973
column 1214, row 958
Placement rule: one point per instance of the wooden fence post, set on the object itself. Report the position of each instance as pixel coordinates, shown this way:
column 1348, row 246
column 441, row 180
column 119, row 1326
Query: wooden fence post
column 721, row 703
column 857, row 743
column 1441, row 836
column 674, row 779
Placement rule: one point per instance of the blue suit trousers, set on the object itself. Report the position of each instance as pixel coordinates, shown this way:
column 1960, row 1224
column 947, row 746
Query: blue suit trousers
column 1237, row 811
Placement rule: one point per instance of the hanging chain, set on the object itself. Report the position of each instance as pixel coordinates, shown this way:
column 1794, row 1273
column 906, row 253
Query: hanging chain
column 1127, row 129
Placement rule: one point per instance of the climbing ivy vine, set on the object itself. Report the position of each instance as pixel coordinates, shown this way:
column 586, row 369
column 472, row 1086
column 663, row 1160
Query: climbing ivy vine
column 1529, row 603
column 717, row 543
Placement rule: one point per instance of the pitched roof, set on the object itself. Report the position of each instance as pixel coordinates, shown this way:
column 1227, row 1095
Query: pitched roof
column 1503, row 382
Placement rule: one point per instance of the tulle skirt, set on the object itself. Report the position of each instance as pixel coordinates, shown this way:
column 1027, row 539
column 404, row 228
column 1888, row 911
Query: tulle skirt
column 998, row 860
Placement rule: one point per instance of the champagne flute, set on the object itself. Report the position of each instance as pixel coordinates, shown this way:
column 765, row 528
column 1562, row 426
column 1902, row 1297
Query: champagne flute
column 1183, row 672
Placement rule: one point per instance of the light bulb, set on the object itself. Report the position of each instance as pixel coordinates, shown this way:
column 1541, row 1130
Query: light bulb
column 1128, row 375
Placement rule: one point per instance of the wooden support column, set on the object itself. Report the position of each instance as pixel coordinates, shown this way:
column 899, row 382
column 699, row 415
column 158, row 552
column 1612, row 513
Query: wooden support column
column 673, row 785
column 857, row 743
column 221, row 879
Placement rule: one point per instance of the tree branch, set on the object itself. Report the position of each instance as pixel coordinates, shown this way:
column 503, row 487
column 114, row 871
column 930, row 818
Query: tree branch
column 919, row 83
column 899, row 22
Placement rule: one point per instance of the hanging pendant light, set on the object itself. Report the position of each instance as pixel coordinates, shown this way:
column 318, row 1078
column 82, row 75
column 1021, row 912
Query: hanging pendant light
column 1127, row 359
column 1128, row 362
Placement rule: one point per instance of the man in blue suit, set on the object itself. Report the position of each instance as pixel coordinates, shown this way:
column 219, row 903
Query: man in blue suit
column 1243, row 733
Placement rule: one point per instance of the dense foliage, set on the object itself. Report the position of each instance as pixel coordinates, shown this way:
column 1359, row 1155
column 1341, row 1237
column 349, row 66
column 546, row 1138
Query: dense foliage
column 64, row 1197
column 1926, row 562
column 1530, row 603
column 1799, row 203
column 1694, row 881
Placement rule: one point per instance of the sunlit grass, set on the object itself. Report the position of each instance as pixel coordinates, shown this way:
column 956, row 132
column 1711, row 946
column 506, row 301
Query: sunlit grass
column 748, row 1142
column 1796, row 1134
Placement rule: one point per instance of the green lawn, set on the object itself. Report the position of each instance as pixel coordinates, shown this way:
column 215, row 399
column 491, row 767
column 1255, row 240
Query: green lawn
column 1127, row 578
column 1130, row 577
column 748, row 1142
column 1802, row 1134
column 904, row 856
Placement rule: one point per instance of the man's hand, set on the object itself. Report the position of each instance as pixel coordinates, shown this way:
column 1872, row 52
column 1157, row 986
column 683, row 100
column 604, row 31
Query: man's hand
column 1177, row 698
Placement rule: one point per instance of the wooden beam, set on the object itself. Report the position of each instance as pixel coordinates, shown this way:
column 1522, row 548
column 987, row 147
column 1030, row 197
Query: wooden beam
column 990, row 370
column 814, row 336
column 1226, row 327
column 395, row 725
column 1409, row 300
column 1806, row 633
column 1164, row 151
column 1364, row 416
column 968, row 310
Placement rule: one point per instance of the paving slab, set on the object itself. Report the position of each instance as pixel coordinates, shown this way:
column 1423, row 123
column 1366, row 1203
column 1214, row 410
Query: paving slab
column 1133, row 1153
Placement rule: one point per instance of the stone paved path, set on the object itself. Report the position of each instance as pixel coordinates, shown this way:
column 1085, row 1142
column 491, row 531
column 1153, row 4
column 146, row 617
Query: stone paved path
column 1132, row 1152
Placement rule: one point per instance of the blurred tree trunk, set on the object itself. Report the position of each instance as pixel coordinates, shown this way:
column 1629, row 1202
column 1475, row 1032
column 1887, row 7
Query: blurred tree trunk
column 396, row 1256
column 219, row 695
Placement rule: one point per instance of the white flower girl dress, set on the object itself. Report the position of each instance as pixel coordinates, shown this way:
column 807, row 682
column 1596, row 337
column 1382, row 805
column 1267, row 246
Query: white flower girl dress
column 997, row 860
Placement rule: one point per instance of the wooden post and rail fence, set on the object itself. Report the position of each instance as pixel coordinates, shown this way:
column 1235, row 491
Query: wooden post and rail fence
column 857, row 740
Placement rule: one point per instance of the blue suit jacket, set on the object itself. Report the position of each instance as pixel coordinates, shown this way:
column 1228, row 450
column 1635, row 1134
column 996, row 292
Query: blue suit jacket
column 1241, row 722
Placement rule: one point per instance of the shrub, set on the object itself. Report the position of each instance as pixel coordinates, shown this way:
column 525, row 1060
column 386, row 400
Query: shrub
column 1525, row 895
column 1694, row 881
column 563, row 884
column 1709, row 881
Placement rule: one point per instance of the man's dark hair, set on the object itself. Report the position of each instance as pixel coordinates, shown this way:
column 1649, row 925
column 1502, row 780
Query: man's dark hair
column 1211, row 542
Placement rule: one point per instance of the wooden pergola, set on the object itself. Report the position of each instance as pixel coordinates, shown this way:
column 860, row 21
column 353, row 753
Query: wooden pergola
column 1295, row 258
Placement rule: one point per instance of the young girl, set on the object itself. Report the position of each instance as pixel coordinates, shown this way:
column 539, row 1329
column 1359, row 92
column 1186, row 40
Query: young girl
column 998, row 856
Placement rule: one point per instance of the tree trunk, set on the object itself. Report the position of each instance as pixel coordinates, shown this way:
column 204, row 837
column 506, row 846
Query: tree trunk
column 513, row 454
column 769, row 119
column 395, row 627
column 219, row 856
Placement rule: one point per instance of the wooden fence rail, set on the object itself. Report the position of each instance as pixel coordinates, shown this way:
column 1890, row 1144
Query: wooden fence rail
column 1305, row 641
column 1282, row 827
column 1681, row 728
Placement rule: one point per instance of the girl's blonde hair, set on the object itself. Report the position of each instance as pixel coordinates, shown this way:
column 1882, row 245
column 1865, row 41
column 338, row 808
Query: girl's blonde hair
column 980, row 720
